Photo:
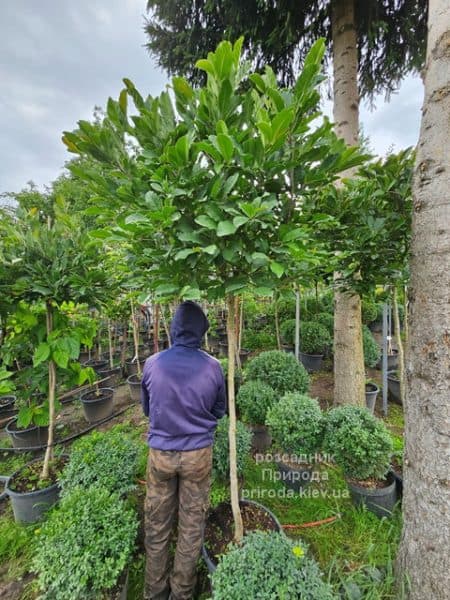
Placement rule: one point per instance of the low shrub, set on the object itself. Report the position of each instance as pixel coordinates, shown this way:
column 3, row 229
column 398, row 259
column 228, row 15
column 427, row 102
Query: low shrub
column 297, row 424
column 369, row 310
column 254, row 399
column 84, row 546
column 360, row 443
column 268, row 566
column 221, row 448
column 287, row 331
column 258, row 340
column 371, row 349
column 327, row 320
column 280, row 370
column 314, row 338
column 105, row 459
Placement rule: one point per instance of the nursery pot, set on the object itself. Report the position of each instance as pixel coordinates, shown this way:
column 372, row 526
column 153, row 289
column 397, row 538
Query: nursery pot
column 243, row 355
column 33, row 436
column 262, row 440
column 380, row 501
column 297, row 477
column 394, row 386
column 6, row 404
column 223, row 348
column 311, row 362
column 398, row 476
column 208, row 557
column 371, row 396
column 392, row 361
column 288, row 348
column 29, row 507
column 97, row 365
column 131, row 366
column 114, row 376
column 96, row 407
column 134, row 385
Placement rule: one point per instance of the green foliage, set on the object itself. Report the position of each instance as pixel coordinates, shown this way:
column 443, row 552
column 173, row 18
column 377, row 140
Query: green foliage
column 258, row 340
column 287, row 331
column 371, row 349
column 254, row 399
column 15, row 539
column 221, row 449
column 369, row 310
column 104, row 459
column 326, row 319
column 6, row 385
column 359, row 442
column 280, row 370
column 266, row 566
column 314, row 338
column 297, row 424
column 84, row 546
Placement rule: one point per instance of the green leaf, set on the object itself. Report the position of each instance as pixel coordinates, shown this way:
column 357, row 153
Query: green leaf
column 5, row 374
column 166, row 289
column 277, row 268
column 61, row 358
column 41, row 354
column 225, row 145
column 259, row 259
column 226, row 228
column 182, row 149
column 205, row 221
column 206, row 65
column 182, row 254
column 212, row 249
column 239, row 221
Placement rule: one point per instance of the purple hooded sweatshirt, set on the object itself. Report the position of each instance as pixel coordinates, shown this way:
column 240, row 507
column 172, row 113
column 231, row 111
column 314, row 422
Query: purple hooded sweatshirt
column 183, row 388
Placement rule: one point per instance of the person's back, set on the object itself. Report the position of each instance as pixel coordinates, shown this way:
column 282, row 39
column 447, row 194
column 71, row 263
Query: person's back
column 183, row 393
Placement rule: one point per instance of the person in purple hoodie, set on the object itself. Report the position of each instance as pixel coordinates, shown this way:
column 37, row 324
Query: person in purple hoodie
column 183, row 393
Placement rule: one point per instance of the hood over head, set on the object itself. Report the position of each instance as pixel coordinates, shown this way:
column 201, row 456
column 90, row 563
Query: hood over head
column 189, row 325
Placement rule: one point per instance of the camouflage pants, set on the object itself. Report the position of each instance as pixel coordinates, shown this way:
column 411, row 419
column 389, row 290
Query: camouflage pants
column 177, row 482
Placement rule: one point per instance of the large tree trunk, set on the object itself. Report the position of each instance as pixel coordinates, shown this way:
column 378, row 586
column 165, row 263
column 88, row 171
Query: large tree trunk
column 424, row 556
column 349, row 374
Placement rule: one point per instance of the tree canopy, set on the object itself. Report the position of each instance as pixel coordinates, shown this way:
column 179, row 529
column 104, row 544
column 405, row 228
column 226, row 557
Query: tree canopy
column 391, row 36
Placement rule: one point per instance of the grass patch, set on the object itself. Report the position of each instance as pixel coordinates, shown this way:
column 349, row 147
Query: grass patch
column 16, row 543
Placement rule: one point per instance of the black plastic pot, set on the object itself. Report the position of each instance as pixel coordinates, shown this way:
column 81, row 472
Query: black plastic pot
column 288, row 348
column 210, row 561
column 380, row 501
column 6, row 404
column 295, row 478
column 311, row 362
column 97, row 365
column 371, row 396
column 392, row 361
column 96, row 409
column 398, row 482
column 131, row 366
column 223, row 349
column 29, row 437
column 244, row 355
column 114, row 376
column 262, row 440
column 29, row 507
column 394, row 386
column 134, row 385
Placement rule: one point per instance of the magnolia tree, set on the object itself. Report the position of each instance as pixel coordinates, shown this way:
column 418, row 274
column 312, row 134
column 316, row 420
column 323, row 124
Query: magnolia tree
column 50, row 264
column 208, row 194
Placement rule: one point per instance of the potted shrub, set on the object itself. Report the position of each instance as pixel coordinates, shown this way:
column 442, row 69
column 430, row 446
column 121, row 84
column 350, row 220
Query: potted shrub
column 326, row 319
column 361, row 444
column 315, row 341
column 253, row 400
column 83, row 549
column 370, row 348
column 287, row 334
column 297, row 426
column 97, row 402
column 281, row 371
column 269, row 565
column 221, row 449
column 371, row 395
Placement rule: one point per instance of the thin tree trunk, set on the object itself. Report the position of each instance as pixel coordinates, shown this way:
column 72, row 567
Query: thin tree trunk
column 156, row 328
column 405, row 316
column 349, row 373
column 135, row 324
column 165, row 325
column 277, row 323
column 297, row 323
column 110, row 344
column 398, row 339
column 123, row 354
column 424, row 557
column 234, row 489
column 51, row 399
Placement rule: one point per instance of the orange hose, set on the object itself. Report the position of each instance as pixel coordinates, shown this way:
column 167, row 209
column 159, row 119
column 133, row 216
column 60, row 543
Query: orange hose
column 312, row 523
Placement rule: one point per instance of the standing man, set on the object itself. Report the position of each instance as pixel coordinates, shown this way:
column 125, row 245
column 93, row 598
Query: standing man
column 183, row 393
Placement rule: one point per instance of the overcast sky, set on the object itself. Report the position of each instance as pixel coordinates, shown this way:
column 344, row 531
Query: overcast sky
column 60, row 58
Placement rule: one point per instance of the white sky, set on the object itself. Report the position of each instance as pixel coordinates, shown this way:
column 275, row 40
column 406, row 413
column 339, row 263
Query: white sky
column 58, row 59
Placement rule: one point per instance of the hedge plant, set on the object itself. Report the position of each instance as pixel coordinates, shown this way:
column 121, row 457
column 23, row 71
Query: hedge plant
column 105, row 459
column 314, row 338
column 326, row 319
column 254, row 399
column 84, row 546
column 221, row 451
column 371, row 349
column 359, row 442
column 280, row 370
column 269, row 566
column 297, row 424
